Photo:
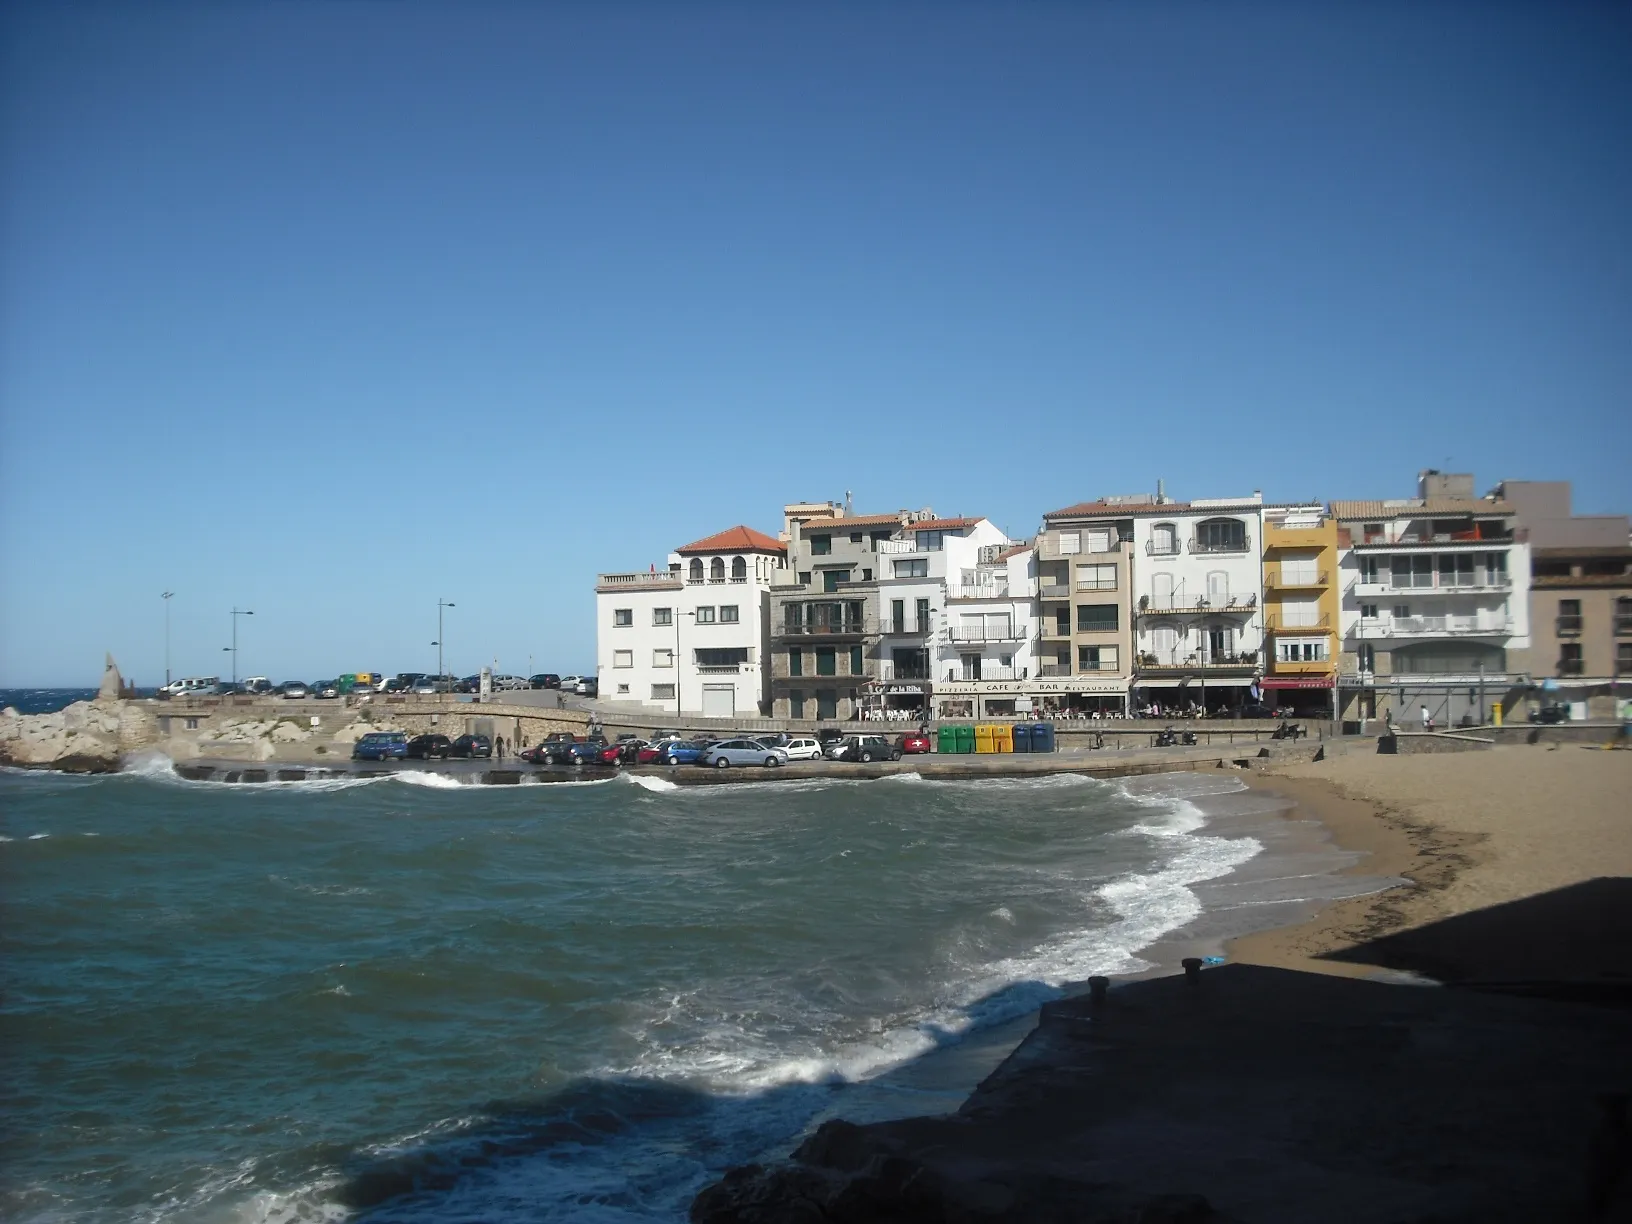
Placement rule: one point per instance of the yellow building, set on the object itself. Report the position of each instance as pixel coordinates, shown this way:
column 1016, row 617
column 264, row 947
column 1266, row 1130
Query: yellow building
column 1300, row 608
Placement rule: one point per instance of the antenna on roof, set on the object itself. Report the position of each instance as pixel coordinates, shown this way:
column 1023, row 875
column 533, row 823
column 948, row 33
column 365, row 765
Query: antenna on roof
column 847, row 503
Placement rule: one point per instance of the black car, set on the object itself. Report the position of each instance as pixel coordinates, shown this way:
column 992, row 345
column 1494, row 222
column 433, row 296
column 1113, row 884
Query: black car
column 468, row 684
column 545, row 680
column 471, row 746
column 403, row 681
column 829, row 735
column 424, row 747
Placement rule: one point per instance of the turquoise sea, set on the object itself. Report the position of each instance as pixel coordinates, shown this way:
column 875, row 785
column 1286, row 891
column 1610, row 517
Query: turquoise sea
column 408, row 999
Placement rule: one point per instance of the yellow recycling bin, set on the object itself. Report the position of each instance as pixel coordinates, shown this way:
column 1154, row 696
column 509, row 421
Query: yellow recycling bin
column 984, row 740
column 1002, row 737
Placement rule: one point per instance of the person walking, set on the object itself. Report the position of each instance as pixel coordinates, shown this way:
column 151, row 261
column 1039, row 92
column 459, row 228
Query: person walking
column 1427, row 719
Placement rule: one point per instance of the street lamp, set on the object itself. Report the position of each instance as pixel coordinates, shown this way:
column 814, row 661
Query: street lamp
column 234, row 647
column 166, row 596
column 440, row 604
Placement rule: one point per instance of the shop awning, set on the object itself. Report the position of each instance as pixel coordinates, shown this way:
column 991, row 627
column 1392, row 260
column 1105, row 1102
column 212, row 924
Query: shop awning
column 1195, row 682
column 1297, row 682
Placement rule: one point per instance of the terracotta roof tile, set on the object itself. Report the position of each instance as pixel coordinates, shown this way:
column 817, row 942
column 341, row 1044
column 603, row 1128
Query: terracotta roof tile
column 1015, row 551
column 1415, row 505
column 944, row 524
column 735, row 539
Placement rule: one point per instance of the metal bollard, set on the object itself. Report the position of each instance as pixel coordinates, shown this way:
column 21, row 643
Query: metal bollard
column 1192, row 969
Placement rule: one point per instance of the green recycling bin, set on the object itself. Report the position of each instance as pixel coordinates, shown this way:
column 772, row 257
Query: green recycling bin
column 946, row 739
column 965, row 739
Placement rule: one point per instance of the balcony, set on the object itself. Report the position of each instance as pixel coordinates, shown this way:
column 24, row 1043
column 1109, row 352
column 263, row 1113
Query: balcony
column 1182, row 606
column 889, row 672
column 1567, row 626
column 1299, row 537
column 904, row 628
column 1155, row 549
column 1383, row 587
column 1049, row 671
column 895, row 547
column 1054, row 631
column 1623, row 626
column 1243, row 545
column 1086, row 584
column 1179, row 661
column 639, row 580
column 1571, row 667
column 1054, row 590
column 1049, row 550
column 720, row 669
column 1371, row 629
column 990, row 590
column 1456, row 539
column 865, row 627
column 1276, row 576
column 1277, row 623
column 1013, row 633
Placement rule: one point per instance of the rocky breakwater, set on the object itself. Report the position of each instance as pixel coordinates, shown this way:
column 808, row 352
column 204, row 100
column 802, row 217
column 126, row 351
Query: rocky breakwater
column 86, row 737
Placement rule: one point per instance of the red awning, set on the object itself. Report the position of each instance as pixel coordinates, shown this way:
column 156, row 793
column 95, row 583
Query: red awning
column 1294, row 682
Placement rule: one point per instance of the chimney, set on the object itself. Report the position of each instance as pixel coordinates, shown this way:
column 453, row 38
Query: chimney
column 1161, row 492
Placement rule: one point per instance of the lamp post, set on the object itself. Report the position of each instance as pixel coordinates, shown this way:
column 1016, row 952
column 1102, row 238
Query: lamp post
column 678, row 707
column 236, row 613
column 166, row 596
column 440, row 637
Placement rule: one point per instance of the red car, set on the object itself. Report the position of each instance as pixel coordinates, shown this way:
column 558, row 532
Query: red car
column 650, row 754
column 912, row 742
column 608, row 754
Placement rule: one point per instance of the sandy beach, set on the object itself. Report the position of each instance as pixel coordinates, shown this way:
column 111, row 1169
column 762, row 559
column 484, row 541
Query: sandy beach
column 1471, row 831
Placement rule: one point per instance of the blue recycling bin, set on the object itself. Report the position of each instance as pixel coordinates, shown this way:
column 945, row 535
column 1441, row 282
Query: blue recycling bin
column 1022, row 737
column 1042, row 737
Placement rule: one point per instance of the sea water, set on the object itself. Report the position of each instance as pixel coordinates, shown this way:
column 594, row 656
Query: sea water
column 409, row 999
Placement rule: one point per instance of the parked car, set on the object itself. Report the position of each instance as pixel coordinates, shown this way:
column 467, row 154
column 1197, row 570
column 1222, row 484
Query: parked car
column 192, row 686
column 742, row 752
column 829, row 735
column 381, row 746
column 509, row 684
column 591, row 752
column 587, row 686
column 545, row 680
column 403, row 682
column 423, row 687
column 325, row 689
column 629, row 750
column 863, row 748
column 258, row 685
column 803, row 748
column 292, row 689
column 652, row 753
column 912, row 742
column 682, row 752
column 471, row 746
column 569, row 684
column 424, row 747
column 468, row 684
column 228, row 689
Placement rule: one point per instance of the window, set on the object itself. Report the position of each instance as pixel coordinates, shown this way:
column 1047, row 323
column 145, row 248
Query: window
column 898, row 616
column 716, row 570
column 623, row 658
column 662, row 692
column 1368, row 611
column 1456, row 570
column 1299, row 569
column 832, row 578
column 821, row 545
column 796, row 703
column 728, row 614
column 1096, row 618
column 804, row 577
column 1164, row 540
column 796, row 662
column 918, row 567
column 1301, row 650
column 1368, row 657
column 1070, row 543
column 931, row 541
column 739, row 570
column 1368, row 570
column 1099, row 540
column 855, row 661
column 1401, row 611
column 1302, row 612
column 1096, row 577
column 722, row 656
column 1373, row 531
column 909, row 664
column 705, row 616
column 923, row 616
column 623, row 618
column 695, row 570
column 827, row 703
column 1096, row 658
column 623, row 688
column 1623, row 658
column 662, row 658
column 1221, row 535
column 826, row 661
column 1409, row 572
column 855, row 537
column 662, row 616
column 1569, row 659
column 866, row 575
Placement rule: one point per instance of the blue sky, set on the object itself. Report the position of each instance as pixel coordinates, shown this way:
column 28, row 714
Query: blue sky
column 328, row 310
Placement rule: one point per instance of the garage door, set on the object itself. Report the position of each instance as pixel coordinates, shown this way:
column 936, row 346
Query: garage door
column 719, row 701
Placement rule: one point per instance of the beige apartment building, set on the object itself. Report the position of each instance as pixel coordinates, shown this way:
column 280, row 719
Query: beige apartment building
column 1084, row 649
column 1580, row 651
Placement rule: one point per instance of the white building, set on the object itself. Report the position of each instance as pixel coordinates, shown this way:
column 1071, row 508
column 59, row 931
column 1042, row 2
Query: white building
column 1198, row 595
column 694, row 638
column 985, row 661
column 1435, row 594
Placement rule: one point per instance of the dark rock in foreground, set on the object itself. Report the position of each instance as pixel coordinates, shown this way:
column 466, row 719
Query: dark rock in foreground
column 1248, row 1094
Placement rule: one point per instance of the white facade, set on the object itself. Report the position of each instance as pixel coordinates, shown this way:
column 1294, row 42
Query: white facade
column 991, row 621
column 1197, row 593
column 690, row 641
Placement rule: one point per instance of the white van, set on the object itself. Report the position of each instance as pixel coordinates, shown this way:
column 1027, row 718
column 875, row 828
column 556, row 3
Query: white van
column 192, row 686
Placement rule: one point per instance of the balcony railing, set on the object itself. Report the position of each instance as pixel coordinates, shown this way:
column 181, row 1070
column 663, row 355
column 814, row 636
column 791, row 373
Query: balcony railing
column 888, row 671
column 1424, row 540
column 1278, row 623
column 1276, row 576
column 1154, row 548
column 989, row 590
column 1054, row 590
column 1194, row 661
column 638, row 580
column 1087, row 584
column 1429, row 626
column 1383, row 585
column 1623, row 626
column 1243, row 545
column 905, row 628
column 1054, row 631
column 1009, row 633
column 1568, row 626
column 895, row 547
column 1051, row 670
column 720, row 669
column 1182, row 606
column 841, row 628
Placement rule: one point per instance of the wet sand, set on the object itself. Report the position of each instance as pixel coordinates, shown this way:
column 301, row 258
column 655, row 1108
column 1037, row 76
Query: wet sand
column 1468, row 831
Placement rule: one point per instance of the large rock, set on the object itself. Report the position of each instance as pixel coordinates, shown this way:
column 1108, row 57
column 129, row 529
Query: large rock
column 83, row 738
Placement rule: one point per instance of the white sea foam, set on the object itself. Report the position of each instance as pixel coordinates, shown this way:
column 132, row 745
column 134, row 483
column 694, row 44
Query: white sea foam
column 432, row 781
column 38, row 836
column 657, row 786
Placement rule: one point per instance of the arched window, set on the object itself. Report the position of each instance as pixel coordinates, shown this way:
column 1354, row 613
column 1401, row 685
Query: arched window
column 1164, row 540
column 739, row 570
column 1221, row 535
column 696, row 570
column 716, row 570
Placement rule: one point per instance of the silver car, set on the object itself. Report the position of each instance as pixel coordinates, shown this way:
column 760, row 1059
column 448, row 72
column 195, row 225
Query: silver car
column 743, row 752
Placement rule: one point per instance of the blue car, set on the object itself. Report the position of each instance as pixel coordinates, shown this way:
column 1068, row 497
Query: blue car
column 588, row 752
column 682, row 752
column 381, row 746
